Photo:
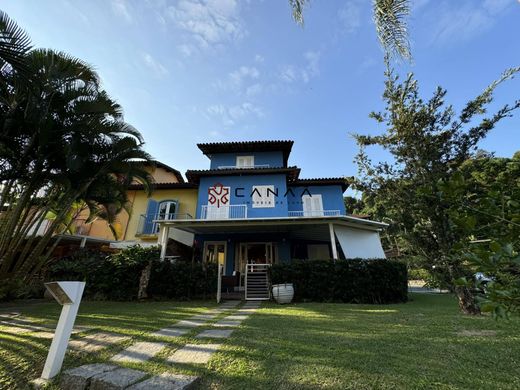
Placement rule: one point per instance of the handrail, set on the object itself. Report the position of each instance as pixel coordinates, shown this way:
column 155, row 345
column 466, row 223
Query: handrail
column 314, row 213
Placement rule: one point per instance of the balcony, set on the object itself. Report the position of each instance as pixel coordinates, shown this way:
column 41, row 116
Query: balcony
column 148, row 222
column 314, row 213
column 237, row 211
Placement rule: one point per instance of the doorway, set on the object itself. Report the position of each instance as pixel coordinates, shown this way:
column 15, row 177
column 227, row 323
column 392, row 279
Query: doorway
column 255, row 253
column 215, row 252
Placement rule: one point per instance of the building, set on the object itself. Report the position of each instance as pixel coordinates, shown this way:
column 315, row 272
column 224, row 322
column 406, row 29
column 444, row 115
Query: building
column 253, row 209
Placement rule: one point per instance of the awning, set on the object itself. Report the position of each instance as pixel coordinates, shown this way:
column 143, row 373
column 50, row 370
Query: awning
column 358, row 243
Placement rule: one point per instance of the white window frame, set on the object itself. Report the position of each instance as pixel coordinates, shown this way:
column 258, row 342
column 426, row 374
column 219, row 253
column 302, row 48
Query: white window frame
column 245, row 161
column 263, row 201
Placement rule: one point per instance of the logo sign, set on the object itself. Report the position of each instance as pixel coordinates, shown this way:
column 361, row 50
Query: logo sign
column 218, row 195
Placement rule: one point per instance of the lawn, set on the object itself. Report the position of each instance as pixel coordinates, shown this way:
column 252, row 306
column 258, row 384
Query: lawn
column 422, row 344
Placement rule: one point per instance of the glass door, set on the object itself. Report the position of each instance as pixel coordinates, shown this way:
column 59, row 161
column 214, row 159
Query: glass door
column 215, row 252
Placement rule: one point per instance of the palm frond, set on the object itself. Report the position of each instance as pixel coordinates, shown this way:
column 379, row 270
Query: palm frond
column 297, row 7
column 391, row 26
column 14, row 43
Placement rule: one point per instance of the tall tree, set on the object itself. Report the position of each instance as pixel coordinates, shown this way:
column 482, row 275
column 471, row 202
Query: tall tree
column 63, row 140
column 389, row 19
column 429, row 142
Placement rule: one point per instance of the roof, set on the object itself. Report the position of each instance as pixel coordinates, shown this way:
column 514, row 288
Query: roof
column 177, row 174
column 164, row 186
column 195, row 175
column 325, row 181
column 167, row 168
column 284, row 146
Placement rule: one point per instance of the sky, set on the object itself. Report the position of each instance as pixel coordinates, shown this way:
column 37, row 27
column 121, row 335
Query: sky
column 190, row 71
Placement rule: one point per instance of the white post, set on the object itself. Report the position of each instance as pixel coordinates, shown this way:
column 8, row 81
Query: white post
column 69, row 295
column 165, row 230
column 83, row 242
column 333, row 242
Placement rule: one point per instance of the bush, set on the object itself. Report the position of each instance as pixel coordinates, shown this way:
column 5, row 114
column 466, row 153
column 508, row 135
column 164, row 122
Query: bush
column 354, row 281
column 117, row 276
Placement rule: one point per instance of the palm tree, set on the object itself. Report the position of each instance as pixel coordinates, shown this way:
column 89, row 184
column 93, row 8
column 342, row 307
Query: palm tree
column 63, row 141
column 14, row 43
column 389, row 18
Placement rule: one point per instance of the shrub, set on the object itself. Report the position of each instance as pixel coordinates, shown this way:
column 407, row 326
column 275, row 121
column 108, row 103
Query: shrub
column 354, row 281
column 116, row 276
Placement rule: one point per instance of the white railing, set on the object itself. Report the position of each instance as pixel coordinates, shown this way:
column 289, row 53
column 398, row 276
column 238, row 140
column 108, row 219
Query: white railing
column 315, row 213
column 257, row 268
column 236, row 211
column 243, row 167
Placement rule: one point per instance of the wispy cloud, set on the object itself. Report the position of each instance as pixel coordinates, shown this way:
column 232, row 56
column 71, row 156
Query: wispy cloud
column 122, row 9
column 310, row 69
column 155, row 66
column 350, row 16
column 231, row 115
column 466, row 20
column 206, row 23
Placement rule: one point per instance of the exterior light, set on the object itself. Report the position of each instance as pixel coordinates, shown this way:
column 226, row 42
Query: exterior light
column 67, row 294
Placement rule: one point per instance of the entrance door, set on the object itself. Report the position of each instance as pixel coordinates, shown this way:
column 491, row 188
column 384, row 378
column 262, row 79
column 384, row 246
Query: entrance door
column 215, row 252
column 255, row 253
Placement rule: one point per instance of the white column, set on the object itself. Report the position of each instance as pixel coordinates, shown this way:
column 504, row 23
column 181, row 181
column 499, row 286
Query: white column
column 163, row 240
column 333, row 242
column 83, row 242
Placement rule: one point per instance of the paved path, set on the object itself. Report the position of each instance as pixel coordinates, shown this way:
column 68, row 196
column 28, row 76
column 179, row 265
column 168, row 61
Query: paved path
column 110, row 376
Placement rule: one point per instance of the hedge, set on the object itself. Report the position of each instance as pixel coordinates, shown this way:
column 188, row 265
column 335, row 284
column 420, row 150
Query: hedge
column 116, row 276
column 354, row 281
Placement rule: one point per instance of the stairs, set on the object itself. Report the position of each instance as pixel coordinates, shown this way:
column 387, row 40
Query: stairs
column 257, row 282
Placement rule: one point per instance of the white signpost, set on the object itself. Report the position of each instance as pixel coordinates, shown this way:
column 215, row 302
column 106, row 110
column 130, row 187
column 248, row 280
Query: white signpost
column 68, row 294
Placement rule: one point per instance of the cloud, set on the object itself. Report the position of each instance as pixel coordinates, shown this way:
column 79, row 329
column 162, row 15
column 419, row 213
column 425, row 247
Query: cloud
column 155, row 66
column 121, row 8
column 293, row 73
column 231, row 115
column 254, row 89
column 469, row 19
column 206, row 23
column 350, row 16
column 237, row 79
column 259, row 58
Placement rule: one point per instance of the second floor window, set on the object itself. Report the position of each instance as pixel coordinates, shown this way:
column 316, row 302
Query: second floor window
column 167, row 209
column 245, row 161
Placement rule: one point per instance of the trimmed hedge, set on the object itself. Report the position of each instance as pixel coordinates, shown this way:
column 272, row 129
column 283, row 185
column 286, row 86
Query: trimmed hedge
column 116, row 276
column 354, row 281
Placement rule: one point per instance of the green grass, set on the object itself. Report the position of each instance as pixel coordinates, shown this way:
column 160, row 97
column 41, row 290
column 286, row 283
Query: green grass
column 423, row 344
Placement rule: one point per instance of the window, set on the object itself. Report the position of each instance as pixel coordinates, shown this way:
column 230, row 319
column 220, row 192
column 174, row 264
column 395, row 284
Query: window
column 167, row 209
column 312, row 205
column 245, row 161
column 263, row 196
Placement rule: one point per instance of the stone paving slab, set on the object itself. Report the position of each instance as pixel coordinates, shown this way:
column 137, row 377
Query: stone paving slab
column 215, row 334
column 237, row 317
column 166, row 381
column 96, row 341
column 227, row 324
column 43, row 335
column 119, row 378
column 170, row 332
column 79, row 378
column 190, row 323
column 230, row 304
column 139, row 352
column 194, row 353
column 203, row 317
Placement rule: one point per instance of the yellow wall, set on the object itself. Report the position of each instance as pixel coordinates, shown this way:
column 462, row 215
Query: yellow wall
column 186, row 197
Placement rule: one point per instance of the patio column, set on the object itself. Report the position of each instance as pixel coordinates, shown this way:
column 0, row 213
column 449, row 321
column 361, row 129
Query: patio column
column 163, row 239
column 333, row 242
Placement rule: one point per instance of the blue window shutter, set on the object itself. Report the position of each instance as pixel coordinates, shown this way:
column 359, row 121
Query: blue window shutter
column 151, row 214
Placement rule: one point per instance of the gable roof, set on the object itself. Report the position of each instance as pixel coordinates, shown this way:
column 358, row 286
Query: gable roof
column 283, row 146
column 167, row 168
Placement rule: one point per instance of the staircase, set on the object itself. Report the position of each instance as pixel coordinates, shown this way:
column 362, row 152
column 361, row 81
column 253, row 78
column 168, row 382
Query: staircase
column 257, row 282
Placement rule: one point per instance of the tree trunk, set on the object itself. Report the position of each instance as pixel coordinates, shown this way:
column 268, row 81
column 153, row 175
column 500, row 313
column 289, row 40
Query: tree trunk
column 467, row 303
column 144, row 280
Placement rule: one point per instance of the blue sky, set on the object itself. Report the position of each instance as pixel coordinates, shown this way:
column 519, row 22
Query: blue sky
column 193, row 71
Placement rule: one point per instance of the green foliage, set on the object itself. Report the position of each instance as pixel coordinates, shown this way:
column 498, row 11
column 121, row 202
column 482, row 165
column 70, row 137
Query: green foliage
column 354, row 281
column 429, row 144
column 183, row 280
column 63, row 142
column 116, row 276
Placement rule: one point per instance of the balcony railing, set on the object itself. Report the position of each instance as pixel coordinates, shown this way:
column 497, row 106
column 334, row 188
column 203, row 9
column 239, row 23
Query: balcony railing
column 235, row 211
column 148, row 222
column 314, row 213
column 243, row 166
